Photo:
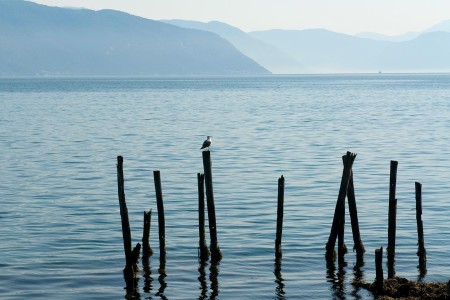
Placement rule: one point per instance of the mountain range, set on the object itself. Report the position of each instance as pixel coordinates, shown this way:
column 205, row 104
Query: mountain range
column 38, row 40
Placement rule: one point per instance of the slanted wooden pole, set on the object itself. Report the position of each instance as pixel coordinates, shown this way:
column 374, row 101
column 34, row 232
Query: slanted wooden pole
column 379, row 268
column 126, row 232
column 280, row 209
column 421, row 252
column 203, row 251
column 358, row 245
column 392, row 222
column 161, row 219
column 339, row 212
column 216, row 255
column 146, row 249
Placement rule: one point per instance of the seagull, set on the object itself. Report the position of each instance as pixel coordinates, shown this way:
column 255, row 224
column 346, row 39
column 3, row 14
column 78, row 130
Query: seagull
column 207, row 143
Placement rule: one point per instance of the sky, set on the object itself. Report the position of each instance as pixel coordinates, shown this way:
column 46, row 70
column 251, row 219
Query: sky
column 389, row 17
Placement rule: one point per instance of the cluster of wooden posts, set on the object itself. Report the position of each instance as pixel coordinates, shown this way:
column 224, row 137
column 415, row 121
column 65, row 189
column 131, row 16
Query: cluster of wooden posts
column 346, row 190
column 132, row 254
column 337, row 230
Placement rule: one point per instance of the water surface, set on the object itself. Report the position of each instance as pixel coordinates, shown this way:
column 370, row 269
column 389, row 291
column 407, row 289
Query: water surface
column 60, row 223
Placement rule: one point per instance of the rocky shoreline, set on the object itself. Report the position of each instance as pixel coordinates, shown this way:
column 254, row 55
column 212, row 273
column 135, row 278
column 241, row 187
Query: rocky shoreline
column 402, row 288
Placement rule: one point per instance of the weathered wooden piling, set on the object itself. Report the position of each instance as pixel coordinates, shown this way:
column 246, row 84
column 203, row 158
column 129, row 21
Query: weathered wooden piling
column 392, row 221
column 280, row 211
column 216, row 255
column 203, row 251
column 337, row 227
column 379, row 268
column 358, row 245
column 421, row 252
column 130, row 255
column 146, row 249
column 161, row 219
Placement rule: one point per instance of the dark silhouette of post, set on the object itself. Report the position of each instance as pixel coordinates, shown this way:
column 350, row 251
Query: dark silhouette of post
column 216, row 255
column 421, row 252
column 130, row 255
column 203, row 251
column 358, row 245
column 146, row 249
column 337, row 227
column 161, row 219
column 379, row 268
column 280, row 209
column 392, row 222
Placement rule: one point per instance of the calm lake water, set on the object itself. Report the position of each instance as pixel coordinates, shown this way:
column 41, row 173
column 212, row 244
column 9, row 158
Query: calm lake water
column 60, row 225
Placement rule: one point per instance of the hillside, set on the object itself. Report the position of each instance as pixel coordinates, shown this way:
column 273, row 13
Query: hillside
column 325, row 51
column 268, row 56
column 41, row 40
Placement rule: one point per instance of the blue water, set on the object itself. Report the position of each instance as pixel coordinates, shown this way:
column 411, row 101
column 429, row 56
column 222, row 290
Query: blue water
column 60, row 227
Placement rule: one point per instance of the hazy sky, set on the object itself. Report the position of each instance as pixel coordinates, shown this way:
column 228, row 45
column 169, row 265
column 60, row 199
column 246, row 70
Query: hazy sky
column 347, row 16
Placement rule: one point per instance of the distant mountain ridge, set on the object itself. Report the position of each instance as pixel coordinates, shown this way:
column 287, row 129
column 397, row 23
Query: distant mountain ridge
column 325, row 51
column 442, row 26
column 38, row 40
column 42, row 40
column 268, row 56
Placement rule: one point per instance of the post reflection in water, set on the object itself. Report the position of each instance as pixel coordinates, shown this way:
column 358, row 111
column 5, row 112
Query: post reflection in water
column 202, row 281
column 279, row 290
column 213, row 278
column 147, row 275
column 131, row 288
column 337, row 279
column 162, row 281
column 358, row 278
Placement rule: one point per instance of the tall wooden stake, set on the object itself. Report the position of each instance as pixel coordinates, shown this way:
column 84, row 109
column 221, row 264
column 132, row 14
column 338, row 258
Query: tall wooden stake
column 392, row 222
column 358, row 245
column 146, row 249
column 216, row 255
column 379, row 268
column 161, row 219
column 339, row 212
column 421, row 252
column 203, row 252
column 130, row 259
column 280, row 209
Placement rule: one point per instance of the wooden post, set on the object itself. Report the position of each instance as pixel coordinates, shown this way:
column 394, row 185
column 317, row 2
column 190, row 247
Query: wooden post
column 379, row 268
column 421, row 252
column 130, row 255
column 392, row 222
column 358, row 245
column 280, row 210
column 339, row 213
column 146, row 249
column 216, row 255
column 203, row 252
column 161, row 219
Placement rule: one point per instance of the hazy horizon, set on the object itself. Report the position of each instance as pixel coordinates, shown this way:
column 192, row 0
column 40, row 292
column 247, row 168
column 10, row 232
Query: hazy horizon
column 348, row 16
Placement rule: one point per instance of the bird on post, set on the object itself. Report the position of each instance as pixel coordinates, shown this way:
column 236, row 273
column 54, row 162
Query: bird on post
column 207, row 143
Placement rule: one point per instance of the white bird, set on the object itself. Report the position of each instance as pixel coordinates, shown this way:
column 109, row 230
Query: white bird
column 207, row 142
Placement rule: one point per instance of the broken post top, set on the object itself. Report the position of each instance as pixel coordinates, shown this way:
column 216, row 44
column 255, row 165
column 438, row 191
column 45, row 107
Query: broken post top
column 349, row 155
